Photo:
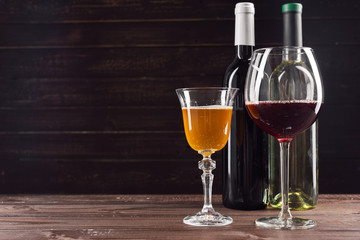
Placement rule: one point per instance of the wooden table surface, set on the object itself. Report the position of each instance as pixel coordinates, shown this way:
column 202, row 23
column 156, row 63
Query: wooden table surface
column 69, row 217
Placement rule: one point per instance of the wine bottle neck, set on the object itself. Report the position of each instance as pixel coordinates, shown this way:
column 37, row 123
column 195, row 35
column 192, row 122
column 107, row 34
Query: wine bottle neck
column 244, row 52
column 292, row 29
column 244, row 24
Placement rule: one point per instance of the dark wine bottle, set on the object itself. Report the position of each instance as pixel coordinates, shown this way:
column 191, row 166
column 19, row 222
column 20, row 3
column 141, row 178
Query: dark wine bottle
column 303, row 164
column 245, row 155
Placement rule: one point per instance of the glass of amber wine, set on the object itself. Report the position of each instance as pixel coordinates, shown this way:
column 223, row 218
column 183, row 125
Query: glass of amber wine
column 207, row 118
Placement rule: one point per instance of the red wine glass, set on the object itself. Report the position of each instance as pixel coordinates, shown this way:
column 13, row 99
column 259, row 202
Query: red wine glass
column 283, row 95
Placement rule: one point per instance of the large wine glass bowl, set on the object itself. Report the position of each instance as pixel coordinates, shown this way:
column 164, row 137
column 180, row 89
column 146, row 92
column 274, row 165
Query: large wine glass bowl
column 283, row 95
column 207, row 118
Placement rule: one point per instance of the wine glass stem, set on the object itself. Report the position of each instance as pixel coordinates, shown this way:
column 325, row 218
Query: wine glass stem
column 207, row 165
column 285, row 215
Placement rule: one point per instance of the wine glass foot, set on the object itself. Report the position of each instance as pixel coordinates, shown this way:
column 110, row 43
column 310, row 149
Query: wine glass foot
column 207, row 219
column 294, row 223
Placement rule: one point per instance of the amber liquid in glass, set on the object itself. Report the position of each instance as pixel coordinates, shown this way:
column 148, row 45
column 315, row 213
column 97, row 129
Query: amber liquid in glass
column 207, row 127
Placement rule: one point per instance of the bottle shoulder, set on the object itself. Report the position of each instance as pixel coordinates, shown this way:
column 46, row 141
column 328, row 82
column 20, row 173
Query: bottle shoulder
column 235, row 73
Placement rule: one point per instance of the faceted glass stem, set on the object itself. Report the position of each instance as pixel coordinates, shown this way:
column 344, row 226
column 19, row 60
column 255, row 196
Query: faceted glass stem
column 207, row 216
column 207, row 165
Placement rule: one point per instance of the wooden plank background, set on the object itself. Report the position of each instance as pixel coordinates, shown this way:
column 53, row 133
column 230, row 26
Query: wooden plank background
column 87, row 99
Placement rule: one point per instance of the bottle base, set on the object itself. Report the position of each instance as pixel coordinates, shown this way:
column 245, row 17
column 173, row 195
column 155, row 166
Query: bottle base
column 298, row 200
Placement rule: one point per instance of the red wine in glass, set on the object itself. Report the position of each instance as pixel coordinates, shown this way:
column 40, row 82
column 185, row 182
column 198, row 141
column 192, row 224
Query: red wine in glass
column 284, row 119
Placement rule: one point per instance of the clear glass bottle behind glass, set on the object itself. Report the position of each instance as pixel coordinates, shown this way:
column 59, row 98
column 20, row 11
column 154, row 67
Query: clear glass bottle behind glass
column 303, row 165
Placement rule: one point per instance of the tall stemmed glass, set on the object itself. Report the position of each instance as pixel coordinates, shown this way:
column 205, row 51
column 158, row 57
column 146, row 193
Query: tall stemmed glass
column 207, row 118
column 283, row 95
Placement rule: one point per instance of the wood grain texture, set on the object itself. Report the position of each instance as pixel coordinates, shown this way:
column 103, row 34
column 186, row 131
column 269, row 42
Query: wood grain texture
column 159, row 217
column 112, row 92
column 166, row 33
column 112, row 175
column 115, row 10
column 105, row 92
column 148, row 61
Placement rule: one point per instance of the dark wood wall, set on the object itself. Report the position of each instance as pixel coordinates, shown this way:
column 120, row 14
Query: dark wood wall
column 87, row 101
